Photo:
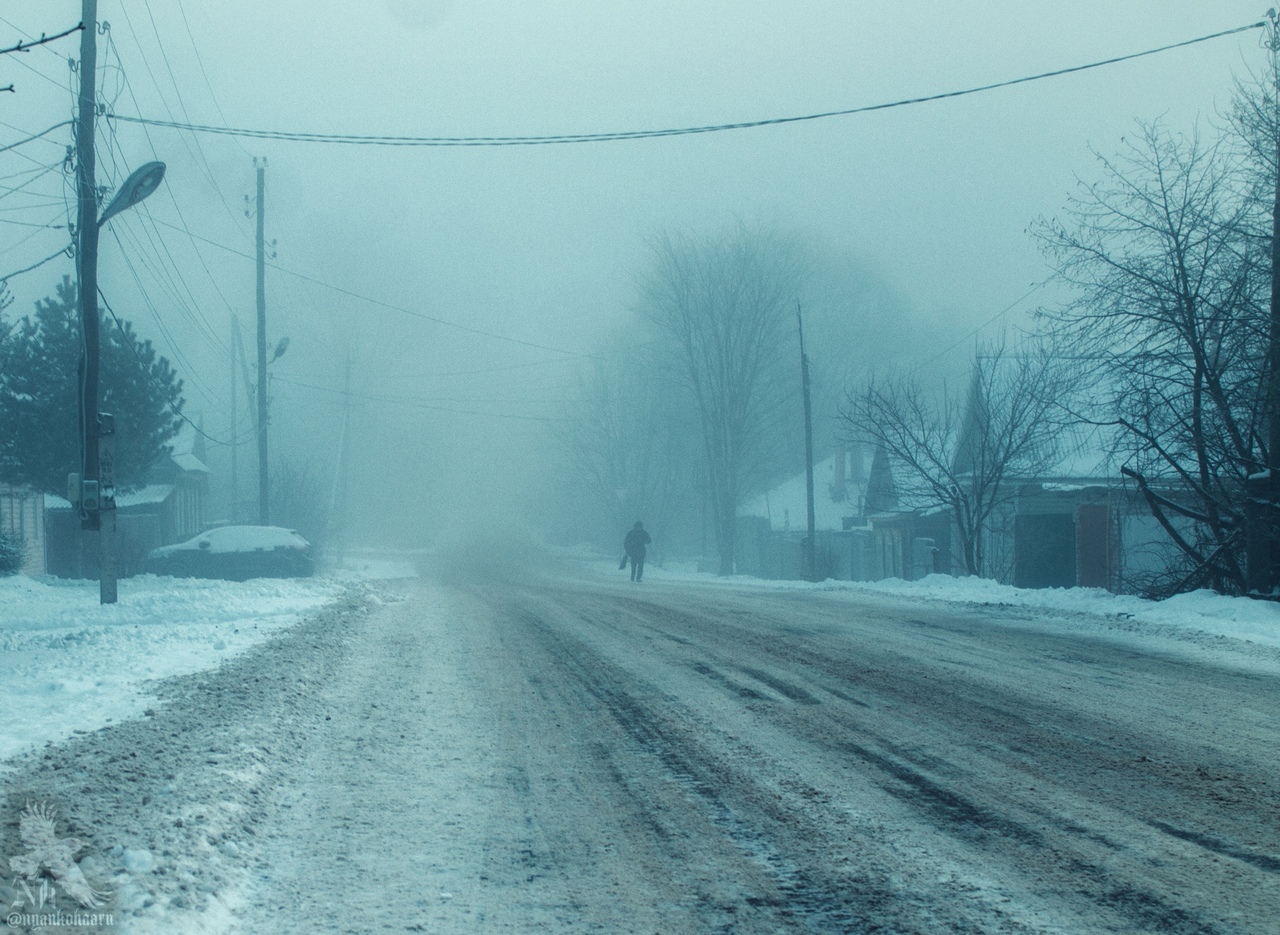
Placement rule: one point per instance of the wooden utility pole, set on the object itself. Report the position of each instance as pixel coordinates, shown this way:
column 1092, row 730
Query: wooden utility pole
column 811, row 547
column 233, row 513
column 1262, row 503
column 336, row 522
column 1272, row 577
column 97, row 493
column 264, row 502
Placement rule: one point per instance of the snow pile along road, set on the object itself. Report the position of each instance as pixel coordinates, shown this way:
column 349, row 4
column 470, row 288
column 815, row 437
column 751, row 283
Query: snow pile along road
column 1205, row 612
column 69, row 664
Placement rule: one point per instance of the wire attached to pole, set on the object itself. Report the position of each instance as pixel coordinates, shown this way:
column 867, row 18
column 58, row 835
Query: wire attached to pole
column 627, row 135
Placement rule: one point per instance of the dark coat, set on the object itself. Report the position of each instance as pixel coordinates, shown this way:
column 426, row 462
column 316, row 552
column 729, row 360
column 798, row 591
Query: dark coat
column 635, row 543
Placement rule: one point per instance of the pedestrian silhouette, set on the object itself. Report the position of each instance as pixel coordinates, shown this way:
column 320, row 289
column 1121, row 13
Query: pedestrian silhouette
column 634, row 545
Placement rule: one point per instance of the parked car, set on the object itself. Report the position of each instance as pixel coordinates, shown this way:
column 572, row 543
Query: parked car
column 236, row 553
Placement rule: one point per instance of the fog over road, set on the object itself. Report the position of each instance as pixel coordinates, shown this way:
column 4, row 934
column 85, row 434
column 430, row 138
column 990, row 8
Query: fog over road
column 668, row 758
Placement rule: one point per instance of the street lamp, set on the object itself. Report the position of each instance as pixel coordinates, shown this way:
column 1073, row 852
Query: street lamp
column 141, row 182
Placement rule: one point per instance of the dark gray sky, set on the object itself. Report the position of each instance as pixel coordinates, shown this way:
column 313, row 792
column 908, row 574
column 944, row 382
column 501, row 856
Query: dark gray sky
column 543, row 245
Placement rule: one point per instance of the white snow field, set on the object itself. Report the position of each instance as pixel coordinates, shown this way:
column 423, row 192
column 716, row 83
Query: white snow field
column 70, row 665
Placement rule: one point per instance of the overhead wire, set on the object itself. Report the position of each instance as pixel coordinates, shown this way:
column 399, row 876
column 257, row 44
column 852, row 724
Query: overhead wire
column 1036, row 287
column 160, row 244
column 45, row 48
column 146, row 370
column 628, row 135
column 417, row 403
column 22, row 172
column 128, row 86
column 164, row 276
column 33, row 136
column 192, row 374
column 198, row 155
column 205, row 74
column 26, row 269
column 391, row 306
column 45, row 226
column 39, row 137
column 21, row 189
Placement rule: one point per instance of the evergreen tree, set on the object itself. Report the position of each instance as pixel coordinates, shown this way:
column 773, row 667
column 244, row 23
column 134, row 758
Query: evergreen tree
column 39, row 397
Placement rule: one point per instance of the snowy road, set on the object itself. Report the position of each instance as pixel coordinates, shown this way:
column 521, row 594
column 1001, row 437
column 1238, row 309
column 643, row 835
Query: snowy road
column 577, row 757
column 582, row 756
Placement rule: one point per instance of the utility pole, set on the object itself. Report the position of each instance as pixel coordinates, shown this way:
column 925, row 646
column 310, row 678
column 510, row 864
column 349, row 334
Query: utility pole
column 264, row 503
column 1262, row 490
column 96, row 493
column 234, row 513
column 335, row 538
column 1272, row 576
column 811, row 549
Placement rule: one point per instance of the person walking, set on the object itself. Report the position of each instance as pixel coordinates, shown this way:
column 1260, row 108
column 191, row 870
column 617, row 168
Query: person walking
column 634, row 545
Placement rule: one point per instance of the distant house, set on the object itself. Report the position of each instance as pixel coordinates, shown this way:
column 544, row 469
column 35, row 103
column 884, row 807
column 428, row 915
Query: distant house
column 1079, row 525
column 169, row 508
column 22, row 518
column 773, row 526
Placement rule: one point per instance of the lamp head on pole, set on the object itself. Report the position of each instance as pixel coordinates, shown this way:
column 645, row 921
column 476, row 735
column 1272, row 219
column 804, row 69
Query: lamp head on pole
column 141, row 182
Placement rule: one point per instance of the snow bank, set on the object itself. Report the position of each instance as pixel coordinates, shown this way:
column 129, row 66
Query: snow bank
column 69, row 664
column 1204, row 611
column 1235, row 617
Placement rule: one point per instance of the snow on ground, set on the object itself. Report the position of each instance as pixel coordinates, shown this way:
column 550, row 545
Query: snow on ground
column 1202, row 612
column 378, row 564
column 69, row 664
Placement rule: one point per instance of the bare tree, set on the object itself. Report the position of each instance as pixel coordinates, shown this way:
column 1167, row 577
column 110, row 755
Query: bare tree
column 967, row 453
column 624, row 441
column 1171, row 273
column 725, row 306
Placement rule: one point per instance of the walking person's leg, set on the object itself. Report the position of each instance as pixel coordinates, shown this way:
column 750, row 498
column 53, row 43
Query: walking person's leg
column 633, row 568
column 640, row 568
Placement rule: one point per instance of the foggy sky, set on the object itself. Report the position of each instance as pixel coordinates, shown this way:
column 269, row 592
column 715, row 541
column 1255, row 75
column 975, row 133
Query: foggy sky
column 544, row 244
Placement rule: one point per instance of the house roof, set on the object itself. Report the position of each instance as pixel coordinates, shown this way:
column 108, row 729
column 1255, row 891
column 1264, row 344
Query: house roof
column 784, row 505
column 150, row 495
column 189, row 462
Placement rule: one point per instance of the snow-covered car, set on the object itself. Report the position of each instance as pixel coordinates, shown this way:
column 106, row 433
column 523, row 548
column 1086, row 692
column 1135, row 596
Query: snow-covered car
column 236, row 553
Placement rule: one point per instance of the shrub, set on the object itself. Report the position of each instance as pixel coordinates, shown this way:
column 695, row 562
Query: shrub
column 11, row 555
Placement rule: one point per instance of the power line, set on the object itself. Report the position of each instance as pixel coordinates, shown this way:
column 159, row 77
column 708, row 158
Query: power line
column 208, row 169
column 192, row 311
column 147, row 370
column 159, row 274
column 33, row 70
column 197, row 156
column 199, row 61
column 1008, row 308
column 626, row 135
column 418, row 404
column 48, row 225
column 35, row 136
column 20, row 189
column 160, row 323
column 388, row 305
column 26, row 269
